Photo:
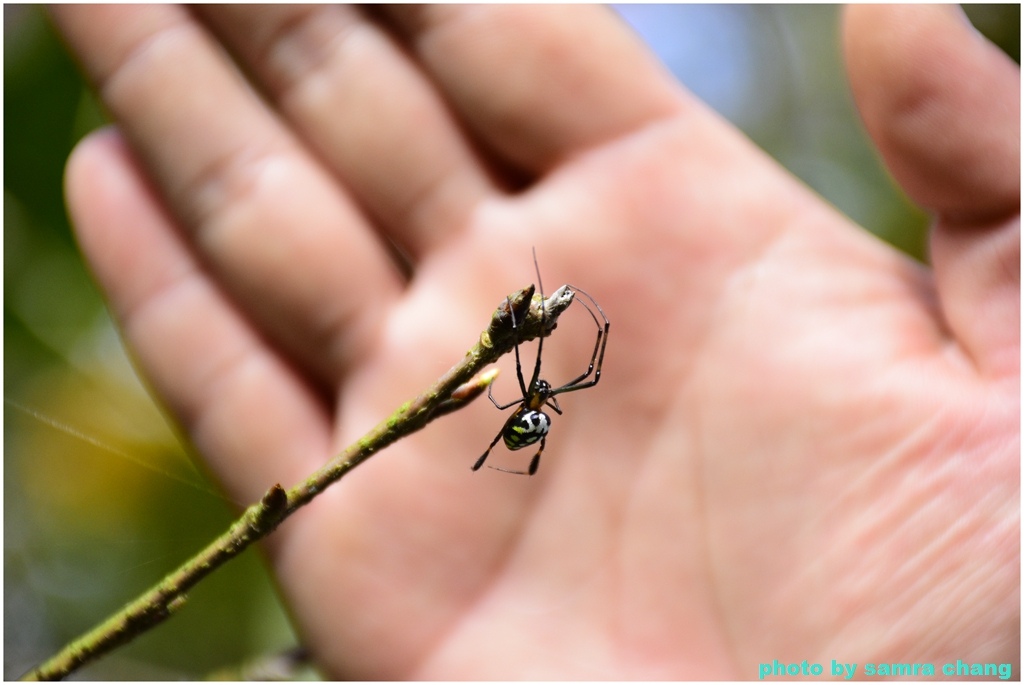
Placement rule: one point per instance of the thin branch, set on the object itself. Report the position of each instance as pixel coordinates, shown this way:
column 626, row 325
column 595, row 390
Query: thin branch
column 463, row 383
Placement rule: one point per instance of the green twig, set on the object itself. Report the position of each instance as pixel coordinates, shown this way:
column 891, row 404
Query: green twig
column 463, row 383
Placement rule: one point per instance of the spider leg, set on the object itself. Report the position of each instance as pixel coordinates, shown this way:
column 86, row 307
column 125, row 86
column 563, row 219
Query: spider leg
column 543, row 327
column 535, row 462
column 519, row 367
column 501, row 406
column 597, row 357
column 515, row 343
column 480, row 461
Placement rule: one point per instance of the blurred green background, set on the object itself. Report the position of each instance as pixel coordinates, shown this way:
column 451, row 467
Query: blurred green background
column 101, row 497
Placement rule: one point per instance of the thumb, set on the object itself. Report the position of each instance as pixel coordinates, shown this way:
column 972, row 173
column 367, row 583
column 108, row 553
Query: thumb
column 943, row 106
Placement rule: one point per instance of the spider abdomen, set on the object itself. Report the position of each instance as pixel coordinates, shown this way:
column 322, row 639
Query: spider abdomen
column 525, row 427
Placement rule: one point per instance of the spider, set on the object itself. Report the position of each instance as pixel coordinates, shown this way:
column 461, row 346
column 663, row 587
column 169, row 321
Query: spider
column 529, row 424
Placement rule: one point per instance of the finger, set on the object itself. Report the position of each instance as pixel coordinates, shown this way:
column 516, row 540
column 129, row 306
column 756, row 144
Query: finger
column 244, row 408
column 271, row 224
column 943, row 106
column 367, row 110
column 529, row 86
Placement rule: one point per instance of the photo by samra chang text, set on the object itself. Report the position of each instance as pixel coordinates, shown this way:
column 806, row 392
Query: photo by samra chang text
column 848, row 671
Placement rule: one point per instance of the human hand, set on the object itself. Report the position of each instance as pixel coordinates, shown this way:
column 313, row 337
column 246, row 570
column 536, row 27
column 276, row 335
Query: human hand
column 804, row 445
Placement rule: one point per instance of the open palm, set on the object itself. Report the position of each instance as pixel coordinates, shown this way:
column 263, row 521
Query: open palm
column 804, row 445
